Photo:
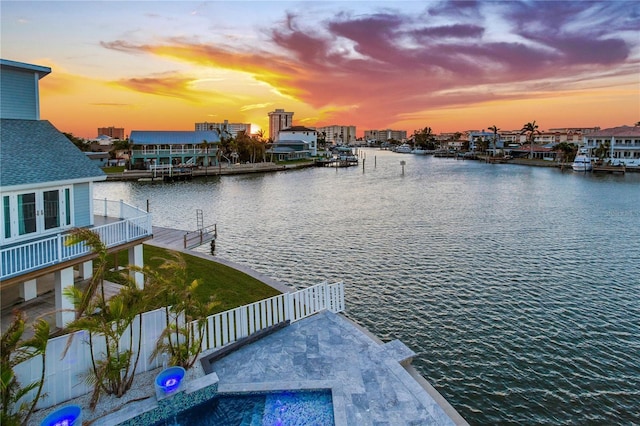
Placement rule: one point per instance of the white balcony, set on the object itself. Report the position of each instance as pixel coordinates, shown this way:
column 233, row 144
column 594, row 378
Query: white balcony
column 116, row 222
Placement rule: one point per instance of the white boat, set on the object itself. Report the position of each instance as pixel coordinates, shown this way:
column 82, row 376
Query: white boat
column 582, row 162
column 403, row 149
column 630, row 163
column 419, row 151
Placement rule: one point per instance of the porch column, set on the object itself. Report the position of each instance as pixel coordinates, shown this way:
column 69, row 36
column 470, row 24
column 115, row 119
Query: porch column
column 135, row 258
column 63, row 279
column 29, row 290
column 86, row 270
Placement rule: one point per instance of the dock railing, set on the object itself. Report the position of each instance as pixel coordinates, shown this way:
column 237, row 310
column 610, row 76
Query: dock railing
column 65, row 375
column 203, row 235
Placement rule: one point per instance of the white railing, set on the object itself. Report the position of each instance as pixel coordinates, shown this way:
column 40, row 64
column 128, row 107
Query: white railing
column 65, row 375
column 119, row 209
column 229, row 326
column 33, row 255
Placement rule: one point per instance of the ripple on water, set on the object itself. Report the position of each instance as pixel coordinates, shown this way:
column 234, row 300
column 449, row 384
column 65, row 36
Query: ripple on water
column 517, row 287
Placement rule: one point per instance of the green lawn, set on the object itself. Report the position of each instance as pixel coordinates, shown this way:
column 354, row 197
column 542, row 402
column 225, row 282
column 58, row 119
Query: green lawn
column 229, row 286
column 114, row 169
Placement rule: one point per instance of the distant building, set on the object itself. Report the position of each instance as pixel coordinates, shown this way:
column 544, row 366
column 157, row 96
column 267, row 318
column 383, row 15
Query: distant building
column 103, row 140
column 231, row 128
column 338, row 135
column 300, row 134
column 623, row 143
column 112, row 132
column 555, row 135
column 385, row 135
column 278, row 120
column 156, row 147
column 99, row 158
column 477, row 138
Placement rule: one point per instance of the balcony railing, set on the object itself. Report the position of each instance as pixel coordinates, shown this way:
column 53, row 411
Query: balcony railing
column 127, row 223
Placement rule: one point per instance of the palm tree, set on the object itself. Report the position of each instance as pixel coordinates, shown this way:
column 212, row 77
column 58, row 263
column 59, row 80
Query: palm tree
column 113, row 371
column 567, row 151
column 602, row 151
column 494, row 129
column 530, row 129
column 205, row 146
column 182, row 338
column 15, row 351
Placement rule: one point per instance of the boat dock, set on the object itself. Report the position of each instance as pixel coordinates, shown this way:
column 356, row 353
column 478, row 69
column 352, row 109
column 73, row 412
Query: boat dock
column 609, row 168
column 336, row 162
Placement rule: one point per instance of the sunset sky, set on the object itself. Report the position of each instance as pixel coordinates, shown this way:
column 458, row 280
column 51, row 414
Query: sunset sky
column 451, row 66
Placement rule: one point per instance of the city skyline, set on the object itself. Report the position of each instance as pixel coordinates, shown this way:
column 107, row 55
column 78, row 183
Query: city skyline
column 164, row 65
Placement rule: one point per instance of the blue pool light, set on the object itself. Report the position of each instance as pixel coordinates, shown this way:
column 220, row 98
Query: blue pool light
column 69, row 415
column 168, row 381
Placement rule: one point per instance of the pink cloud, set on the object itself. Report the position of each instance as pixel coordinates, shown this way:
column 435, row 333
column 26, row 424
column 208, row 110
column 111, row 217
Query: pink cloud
column 402, row 63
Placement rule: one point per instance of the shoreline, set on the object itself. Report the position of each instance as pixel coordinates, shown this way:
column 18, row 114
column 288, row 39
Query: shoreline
column 236, row 169
column 242, row 169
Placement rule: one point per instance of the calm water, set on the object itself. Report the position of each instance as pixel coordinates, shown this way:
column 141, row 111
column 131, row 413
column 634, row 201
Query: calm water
column 517, row 287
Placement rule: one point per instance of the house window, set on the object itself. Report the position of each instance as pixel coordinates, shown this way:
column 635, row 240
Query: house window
column 26, row 213
column 6, row 206
column 67, row 205
column 51, row 209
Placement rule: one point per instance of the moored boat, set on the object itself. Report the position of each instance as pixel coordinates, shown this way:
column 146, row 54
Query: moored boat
column 582, row 162
column 403, row 149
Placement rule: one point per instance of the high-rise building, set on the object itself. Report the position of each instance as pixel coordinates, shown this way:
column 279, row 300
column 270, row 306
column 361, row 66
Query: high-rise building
column 232, row 128
column 112, row 132
column 278, row 120
column 385, row 135
column 338, row 135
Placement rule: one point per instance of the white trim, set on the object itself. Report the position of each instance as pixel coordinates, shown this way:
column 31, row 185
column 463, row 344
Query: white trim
column 50, row 184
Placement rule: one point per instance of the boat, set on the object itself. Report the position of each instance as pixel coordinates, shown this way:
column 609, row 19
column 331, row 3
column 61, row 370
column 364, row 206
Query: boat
column 419, row 151
column 403, row 149
column 345, row 153
column 629, row 163
column 582, row 162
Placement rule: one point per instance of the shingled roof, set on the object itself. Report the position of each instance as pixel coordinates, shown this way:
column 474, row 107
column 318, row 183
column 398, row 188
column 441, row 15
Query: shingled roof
column 173, row 137
column 35, row 152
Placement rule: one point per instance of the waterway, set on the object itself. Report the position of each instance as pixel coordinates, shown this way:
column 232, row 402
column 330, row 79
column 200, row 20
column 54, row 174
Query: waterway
column 518, row 287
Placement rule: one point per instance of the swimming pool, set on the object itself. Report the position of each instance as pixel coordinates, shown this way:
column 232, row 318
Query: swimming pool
column 285, row 408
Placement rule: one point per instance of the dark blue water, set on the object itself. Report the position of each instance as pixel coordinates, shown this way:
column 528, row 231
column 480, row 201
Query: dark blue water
column 518, row 287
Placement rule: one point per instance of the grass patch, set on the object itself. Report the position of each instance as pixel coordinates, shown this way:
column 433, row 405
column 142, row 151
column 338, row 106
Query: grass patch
column 114, row 169
column 298, row 161
column 229, row 286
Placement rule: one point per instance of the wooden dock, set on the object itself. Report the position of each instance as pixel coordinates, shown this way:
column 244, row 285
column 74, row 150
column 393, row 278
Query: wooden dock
column 335, row 162
column 609, row 168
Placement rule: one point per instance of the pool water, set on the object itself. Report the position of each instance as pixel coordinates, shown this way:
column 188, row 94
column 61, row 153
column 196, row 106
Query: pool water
column 303, row 408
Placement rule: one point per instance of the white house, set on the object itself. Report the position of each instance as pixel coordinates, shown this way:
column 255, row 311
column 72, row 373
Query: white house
column 46, row 188
column 301, row 134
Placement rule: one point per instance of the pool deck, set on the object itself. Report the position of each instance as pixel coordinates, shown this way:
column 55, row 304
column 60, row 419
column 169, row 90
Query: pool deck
column 369, row 384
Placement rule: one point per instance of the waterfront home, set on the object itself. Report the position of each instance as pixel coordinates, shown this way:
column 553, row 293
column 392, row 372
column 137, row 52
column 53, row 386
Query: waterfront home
column 99, row 158
column 477, row 140
column 46, row 187
column 622, row 144
column 289, row 150
column 299, row 134
column 153, row 148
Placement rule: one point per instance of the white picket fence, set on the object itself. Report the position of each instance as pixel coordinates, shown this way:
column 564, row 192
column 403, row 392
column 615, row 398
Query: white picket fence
column 65, row 375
